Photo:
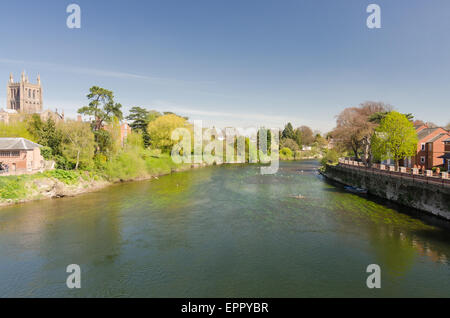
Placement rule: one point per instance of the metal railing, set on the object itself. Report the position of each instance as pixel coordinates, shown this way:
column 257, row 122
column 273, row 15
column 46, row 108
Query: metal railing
column 428, row 177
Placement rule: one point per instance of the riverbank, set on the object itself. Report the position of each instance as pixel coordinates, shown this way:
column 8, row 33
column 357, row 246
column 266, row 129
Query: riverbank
column 428, row 197
column 66, row 183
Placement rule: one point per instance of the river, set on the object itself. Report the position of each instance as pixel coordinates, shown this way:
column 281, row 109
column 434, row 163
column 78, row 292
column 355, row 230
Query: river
column 223, row 232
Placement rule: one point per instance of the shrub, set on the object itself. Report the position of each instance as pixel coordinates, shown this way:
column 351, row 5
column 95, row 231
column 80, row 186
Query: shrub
column 46, row 153
column 285, row 154
column 330, row 157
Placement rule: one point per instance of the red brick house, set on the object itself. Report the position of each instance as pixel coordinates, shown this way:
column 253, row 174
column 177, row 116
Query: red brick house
column 429, row 148
column 446, row 155
column 20, row 154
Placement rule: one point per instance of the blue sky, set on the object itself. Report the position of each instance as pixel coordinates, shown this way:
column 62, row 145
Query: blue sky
column 235, row 63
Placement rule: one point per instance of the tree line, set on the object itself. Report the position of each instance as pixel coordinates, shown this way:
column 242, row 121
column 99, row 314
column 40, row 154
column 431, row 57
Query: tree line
column 374, row 131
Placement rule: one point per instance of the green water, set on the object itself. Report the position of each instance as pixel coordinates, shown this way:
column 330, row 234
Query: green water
column 222, row 232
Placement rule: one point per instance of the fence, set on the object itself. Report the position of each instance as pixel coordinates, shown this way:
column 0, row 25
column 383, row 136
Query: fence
column 428, row 177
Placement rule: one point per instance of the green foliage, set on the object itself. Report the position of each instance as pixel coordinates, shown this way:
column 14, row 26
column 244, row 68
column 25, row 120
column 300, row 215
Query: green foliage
column 46, row 152
column 331, row 157
column 298, row 137
column 286, row 154
column 140, row 118
column 104, row 141
column 160, row 131
column 13, row 187
column 16, row 129
column 66, row 176
column 102, row 107
column 395, row 138
column 379, row 116
column 46, row 133
column 289, row 143
column 79, row 144
column 288, row 131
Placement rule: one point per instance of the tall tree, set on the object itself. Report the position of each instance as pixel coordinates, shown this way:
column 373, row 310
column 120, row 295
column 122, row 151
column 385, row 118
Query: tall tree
column 298, row 137
column 102, row 107
column 140, row 118
column 46, row 133
column 79, row 143
column 307, row 135
column 395, row 138
column 288, row 131
column 354, row 128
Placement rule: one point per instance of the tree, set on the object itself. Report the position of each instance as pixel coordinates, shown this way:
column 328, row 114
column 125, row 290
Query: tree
column 288, row 131
column 320, row 141
column 298, row 137
column 395, row 138
column 289, row 143
column 307, row 135
column 103, row 140
column 46, row 133
column 101, row 106
column 160, row 131
column 355, row 128
column 79, row 143
column 448, row 126
column 379, row 116
column 140, row 118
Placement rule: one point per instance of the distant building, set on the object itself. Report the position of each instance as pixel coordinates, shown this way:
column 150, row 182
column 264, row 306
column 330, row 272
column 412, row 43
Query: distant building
column 20, row 155
column 125, row 130
column 7, row 114
column 23, row 96
column 23, row 99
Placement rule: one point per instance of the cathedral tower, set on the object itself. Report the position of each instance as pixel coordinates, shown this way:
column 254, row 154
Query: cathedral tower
column 24, row 97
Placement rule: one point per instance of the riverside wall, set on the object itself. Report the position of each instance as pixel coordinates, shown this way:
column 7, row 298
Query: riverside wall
column 431, row 197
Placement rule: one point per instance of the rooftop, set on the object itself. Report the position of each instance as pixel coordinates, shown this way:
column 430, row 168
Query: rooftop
column 17, row 144
column 425, row 132
column 437, row 137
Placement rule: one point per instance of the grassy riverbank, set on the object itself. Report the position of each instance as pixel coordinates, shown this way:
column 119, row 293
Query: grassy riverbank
column 60, row 183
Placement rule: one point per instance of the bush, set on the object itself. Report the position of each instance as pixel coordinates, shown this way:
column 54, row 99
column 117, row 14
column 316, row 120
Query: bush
column 286, row 154
column 46, row 153
column 66, row 176
column 289, row 143
column 13, row 187
column 330, row 157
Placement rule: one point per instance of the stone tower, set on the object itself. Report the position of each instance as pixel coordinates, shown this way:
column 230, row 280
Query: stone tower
column 24, row 97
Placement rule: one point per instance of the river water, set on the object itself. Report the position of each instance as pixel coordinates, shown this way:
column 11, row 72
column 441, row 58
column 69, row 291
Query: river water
column 222, row 232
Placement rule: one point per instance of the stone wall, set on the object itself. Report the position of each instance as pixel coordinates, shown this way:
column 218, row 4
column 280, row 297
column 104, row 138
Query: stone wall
column 432, row 198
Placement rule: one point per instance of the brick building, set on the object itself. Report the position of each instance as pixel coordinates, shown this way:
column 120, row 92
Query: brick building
column 446, row 155
column 430, row 147
column 21, row 155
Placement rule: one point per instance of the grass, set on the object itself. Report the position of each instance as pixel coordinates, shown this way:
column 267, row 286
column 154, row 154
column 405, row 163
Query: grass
column 13, row 187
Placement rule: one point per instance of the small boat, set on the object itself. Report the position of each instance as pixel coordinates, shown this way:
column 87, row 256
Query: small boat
column 355, row 190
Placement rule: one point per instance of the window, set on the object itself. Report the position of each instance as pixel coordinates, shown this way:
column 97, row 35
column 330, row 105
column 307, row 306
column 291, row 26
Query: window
column 9, row 153
column 423, row 147
column 422, row 159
